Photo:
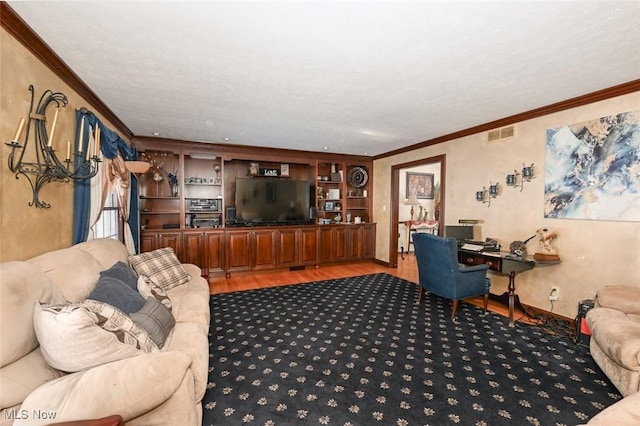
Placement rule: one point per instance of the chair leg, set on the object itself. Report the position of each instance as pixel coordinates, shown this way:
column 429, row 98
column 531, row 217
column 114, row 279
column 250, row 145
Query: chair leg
column 454, row 309
column 486, row 301
column 420, row 291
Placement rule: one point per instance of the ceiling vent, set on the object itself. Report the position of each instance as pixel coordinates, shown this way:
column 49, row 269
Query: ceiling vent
column 503, row 133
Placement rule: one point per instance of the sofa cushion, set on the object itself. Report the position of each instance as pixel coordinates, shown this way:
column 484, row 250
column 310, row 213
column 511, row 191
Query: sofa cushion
column 74, row 272
column 162, row 266
column 122, row 272
column 75, row 337
column 20, row 378
column 107, row 251
column 148, row 288
column 130, row 387
column 156, row 319
column 117, row 293
column 22, row 286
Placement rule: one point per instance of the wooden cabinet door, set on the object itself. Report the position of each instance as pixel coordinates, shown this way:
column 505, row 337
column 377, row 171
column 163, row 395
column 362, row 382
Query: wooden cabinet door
column 354, row 242
column 238, row 249
column 326, row 236
column 308, row 246
column 148, row 241
column 288, row 248
column 193, row 250
column 368, row 241
column 264, row 249
column 214, row 250
column 340, row 243
column 173, row 240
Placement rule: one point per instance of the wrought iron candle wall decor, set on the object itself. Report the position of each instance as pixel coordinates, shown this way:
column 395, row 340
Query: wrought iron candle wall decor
column 517, row 179
column 47, row 167
column 486, row 195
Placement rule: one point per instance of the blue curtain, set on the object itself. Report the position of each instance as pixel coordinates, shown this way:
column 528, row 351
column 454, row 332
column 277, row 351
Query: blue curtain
column 110, row 145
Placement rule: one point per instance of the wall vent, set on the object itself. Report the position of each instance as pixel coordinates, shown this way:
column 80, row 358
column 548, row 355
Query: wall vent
column 503, row 133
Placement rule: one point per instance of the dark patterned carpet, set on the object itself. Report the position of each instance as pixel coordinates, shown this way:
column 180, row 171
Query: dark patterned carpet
column 360, row 351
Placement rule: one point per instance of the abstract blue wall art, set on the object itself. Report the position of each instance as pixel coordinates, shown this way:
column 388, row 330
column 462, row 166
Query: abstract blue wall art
column 592, row 169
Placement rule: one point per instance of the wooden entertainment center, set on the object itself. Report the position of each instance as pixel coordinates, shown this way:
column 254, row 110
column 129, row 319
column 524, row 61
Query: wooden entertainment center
column 199, row 221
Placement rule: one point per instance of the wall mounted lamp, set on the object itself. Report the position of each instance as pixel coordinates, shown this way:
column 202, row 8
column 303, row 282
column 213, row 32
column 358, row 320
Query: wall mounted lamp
column 517, row 179
column 485, row 195
column 42, row 165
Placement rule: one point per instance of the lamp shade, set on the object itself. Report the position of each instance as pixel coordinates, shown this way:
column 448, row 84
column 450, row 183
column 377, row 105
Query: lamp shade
column 137, row 167
column 412, row 201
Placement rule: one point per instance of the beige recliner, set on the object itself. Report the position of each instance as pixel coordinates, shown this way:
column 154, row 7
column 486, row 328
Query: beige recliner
column 615, row 346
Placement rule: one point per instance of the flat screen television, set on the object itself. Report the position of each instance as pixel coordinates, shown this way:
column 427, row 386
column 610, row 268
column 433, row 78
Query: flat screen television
column 272, row 201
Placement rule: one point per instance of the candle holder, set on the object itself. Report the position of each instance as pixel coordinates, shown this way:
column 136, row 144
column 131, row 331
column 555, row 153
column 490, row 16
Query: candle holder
column 47, row 167
column 517, row 180
column 486, row 195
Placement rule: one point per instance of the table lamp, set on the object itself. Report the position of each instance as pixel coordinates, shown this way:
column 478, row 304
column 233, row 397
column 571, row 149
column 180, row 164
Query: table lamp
column 412, row 201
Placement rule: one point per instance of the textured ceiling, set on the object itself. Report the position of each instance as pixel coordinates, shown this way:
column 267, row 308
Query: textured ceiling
column 350, row 77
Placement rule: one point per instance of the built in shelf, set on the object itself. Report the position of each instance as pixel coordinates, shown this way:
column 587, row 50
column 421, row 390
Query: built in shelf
column 143, row 212
column 158, row 197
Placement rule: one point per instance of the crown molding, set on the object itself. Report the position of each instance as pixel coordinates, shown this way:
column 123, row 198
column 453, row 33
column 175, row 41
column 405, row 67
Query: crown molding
column 600, row 95
column 15, row 25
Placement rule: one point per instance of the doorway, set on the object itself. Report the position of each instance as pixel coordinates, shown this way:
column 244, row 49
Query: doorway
column 399, row 195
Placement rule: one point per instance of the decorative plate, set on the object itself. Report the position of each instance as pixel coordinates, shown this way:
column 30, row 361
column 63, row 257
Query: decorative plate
column 357, row 177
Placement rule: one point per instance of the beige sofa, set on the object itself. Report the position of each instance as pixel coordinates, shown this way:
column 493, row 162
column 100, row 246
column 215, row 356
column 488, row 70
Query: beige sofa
column 614, row 323
column 163, row 387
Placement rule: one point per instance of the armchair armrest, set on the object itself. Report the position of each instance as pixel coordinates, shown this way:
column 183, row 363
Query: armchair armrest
column 619, row 297
column 474, row 268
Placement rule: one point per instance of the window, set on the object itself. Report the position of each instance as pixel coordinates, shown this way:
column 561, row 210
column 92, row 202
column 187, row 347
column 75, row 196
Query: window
column 110, row 223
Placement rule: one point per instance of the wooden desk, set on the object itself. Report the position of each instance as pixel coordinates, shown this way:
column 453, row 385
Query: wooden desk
column 502, row 263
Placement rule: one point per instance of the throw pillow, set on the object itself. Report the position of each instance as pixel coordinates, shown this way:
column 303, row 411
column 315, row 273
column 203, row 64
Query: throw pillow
column 123, row 272
column 116, row 293
column 161, row 266
column 80, row 336
column 148, row 288
column 156, row 319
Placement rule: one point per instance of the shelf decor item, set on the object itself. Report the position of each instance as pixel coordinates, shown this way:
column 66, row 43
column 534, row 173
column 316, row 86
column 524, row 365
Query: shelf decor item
column 172, row 178
column 357, row 177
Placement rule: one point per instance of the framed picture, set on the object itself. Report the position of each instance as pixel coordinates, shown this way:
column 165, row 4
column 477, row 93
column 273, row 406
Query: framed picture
column 284, row 169
column 328, row 206
column 421, row 184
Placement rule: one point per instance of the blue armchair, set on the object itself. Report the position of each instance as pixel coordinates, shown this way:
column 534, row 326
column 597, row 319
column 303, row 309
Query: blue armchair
column 440, row 273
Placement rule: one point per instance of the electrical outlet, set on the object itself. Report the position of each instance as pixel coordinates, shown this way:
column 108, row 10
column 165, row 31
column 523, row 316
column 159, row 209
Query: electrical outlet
column 554, row 294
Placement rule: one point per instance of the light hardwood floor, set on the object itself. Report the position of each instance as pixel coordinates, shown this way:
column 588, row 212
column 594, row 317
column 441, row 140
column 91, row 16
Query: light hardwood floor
column 407, row 269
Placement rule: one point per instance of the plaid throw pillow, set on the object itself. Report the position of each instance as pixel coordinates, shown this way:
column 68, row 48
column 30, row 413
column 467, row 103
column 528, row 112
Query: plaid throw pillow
column 161, row 266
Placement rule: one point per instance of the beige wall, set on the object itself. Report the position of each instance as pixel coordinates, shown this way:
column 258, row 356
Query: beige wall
column 28, row 231
column 594, row 253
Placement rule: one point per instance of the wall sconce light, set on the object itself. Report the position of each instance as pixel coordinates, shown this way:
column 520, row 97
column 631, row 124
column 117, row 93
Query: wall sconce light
column 486, row 195
column 517, row 180
column 47, row 167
